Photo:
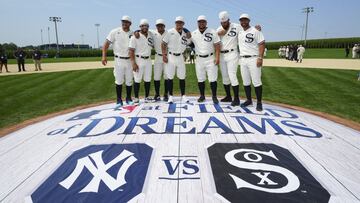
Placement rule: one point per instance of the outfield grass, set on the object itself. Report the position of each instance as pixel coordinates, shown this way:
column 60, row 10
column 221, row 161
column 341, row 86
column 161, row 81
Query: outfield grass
column 316, row 53
column 27, row 96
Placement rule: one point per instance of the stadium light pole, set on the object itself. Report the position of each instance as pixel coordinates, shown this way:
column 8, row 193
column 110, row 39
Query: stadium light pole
column 302, row 31
column 82, row 38
column 42, row 40
column 56, row 20
column 97, row 34
column 48, row 28
column 307, row 10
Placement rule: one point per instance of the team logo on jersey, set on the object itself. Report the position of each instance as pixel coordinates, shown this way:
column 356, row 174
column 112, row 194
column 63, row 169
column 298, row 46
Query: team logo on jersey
column 150, row 41
column 180, row 167
column 208, row 37
column 262, row 173
column 249, row 37
column 98, row 173
column 184, row 40
column 232, row 32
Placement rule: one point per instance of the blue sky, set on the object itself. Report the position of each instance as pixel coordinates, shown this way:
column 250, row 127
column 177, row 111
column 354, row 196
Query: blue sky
column 22, row 20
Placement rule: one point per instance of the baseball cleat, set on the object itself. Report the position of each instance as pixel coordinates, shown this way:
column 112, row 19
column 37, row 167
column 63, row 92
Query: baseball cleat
column 184, row 99
column 201, row 99
column 119, row 104
column 215, row 100
column 148, row 100
column 166, row 98
column 259, row 107
column 246, row 103
column 129, row 102
column 236, row 102
column 136, row 100
column 157, row 98
column 170, row 100
column 226, row 99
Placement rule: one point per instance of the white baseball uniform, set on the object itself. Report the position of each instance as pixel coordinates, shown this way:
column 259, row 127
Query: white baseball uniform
column 300, row 51
column 205, row 52
column 229, row 57
column 176, row 44
column 249, row 41
column 142, row 47
column 120, row 43
column 159, row 65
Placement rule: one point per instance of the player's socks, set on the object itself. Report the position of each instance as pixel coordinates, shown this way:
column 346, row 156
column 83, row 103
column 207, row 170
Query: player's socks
column 157, row 87
column 182, row 87
column 258, row 92
column 248, row 92
column 166, row 88
column 227, row 98
column 147, row 89
column 136, row 89
column 213, row 86
column 128, row 93
column 201, row 86
column 118, row 93
column 236, row 101
column 170, row 87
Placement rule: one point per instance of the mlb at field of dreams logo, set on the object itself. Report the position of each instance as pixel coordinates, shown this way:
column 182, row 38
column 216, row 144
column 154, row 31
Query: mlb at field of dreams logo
column 98, row 173
column 258, row 172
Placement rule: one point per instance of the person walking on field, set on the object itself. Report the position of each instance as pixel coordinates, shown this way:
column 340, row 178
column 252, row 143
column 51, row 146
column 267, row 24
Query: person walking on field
column 3, row 61
column 37, row 59
column 300, row 52
column 20, row 56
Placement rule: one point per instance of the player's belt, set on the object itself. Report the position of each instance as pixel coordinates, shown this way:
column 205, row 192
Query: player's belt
column 205, row 56
column 226, row 51
column 249, row 56
column 175, row 54
column 143, row 57
column 122, row 57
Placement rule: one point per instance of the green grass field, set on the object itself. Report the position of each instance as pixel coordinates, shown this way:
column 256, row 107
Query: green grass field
column 27, row 96
column 310, row 53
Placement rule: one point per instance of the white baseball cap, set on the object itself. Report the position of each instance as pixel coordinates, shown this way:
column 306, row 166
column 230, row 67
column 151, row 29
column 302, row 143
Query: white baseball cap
column 180, row 18
column 245, row 15
column 224, row 16
column 144, row 22
column 160, row 21
column 202, row 17
column 126, row 18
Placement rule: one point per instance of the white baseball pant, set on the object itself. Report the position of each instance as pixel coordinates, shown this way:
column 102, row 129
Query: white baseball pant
column 159, row 68
column 175, row 63
column 145, row 70
column 250, row 72
column 205, row 66
column 123, row 72
column 229, row 71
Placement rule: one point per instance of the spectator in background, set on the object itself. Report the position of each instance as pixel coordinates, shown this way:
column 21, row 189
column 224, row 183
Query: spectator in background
column 354, row 51
column 279, row 51
column 347, row 51
column 287, row 51
column 37, row 59
column 291, row 52
column 3, row 61
column 300, row 53
column 295, row 54
column 265, row 51
column 20, row 56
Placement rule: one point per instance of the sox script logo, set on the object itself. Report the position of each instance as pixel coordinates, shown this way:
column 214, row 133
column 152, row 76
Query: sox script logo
column 98, row 170
column 259, row 172
column 293, row 182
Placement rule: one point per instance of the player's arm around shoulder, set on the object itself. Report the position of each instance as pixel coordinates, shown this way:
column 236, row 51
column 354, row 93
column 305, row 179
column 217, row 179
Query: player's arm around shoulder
column 217, row 46
column 132, row 47
column 261, row 42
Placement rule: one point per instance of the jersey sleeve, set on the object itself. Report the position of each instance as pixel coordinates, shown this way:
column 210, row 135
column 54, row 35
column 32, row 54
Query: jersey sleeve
column 259, row 37
column 132, row 43
column 216, row 37
column 111, row 36
column 166, row 37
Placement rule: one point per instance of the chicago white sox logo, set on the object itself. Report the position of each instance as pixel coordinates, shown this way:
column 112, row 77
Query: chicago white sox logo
column 254, row 157
column 98, row 169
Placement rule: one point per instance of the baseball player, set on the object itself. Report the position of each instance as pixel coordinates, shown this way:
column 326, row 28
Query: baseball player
column 229, row 57
column 173, row 46
column 159, row 66
column 207, row 49
column 300, row 51
column 119, row 38
column 140, row 57
column 252, row 46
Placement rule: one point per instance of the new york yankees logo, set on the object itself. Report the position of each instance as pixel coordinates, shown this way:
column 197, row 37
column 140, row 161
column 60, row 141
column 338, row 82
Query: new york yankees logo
column 98, row 173
column 262, row 173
